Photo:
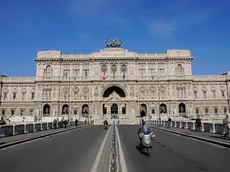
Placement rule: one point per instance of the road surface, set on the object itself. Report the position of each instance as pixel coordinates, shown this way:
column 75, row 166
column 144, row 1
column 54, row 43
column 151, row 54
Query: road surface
column 76, row 151
column 172, row 153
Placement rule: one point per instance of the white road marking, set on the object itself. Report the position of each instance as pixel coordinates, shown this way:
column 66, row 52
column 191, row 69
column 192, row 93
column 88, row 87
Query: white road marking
column 45, row 137
column 121, row 153
column 99, row 153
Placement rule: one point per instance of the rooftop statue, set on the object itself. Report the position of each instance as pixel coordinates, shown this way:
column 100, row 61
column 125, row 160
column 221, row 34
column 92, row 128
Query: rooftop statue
column 113, row 44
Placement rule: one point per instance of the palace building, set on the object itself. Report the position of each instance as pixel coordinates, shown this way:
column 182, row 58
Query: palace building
column 115, row 81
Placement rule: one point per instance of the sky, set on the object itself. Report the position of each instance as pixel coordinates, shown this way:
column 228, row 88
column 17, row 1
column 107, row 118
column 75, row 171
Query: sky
column 83, row 26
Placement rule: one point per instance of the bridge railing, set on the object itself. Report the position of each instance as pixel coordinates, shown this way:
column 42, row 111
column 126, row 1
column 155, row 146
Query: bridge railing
column 16, row 129
column 213, row 127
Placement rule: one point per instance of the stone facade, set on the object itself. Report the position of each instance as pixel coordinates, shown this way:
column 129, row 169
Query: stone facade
column 117, row 81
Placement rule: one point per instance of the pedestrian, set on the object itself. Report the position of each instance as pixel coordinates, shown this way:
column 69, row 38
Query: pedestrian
column 198, row 123
column 226, row 126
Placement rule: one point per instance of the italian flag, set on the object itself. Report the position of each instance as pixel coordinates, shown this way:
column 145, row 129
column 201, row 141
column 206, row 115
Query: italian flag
column 103, row 76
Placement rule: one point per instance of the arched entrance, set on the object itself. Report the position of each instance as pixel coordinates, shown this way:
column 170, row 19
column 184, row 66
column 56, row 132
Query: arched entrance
column 163, row 108
column 114, row 109
column 65, row 109
column 85, row 110
column 182, row 108
column 112, row 89
column 46, row 109
column 143, row 110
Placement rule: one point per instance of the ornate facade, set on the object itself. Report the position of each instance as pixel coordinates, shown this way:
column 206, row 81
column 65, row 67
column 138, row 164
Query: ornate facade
column 115, row 81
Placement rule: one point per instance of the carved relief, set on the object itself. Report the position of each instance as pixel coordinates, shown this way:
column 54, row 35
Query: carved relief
column 152, row 89
column 142, row 89
column 131, row 91
column 14, row 90
column 23, row 90
column 213, row 88
column 5, row 90
column 222, row 88
column 85, row 89
column 96, row 93
column 195, row 88
column 204, row 88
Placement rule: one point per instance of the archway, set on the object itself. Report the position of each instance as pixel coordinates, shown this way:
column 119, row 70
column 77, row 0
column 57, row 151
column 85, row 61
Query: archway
column 114, row 109
column 143, row 110
column 111, row 89
column 85, row 110
column 182, row 108
column 65, row 109
column 163, row 108
column 46, row 109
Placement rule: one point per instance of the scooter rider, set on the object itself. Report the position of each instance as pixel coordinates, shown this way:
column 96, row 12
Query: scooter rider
column 144, row 129
column 106, row 123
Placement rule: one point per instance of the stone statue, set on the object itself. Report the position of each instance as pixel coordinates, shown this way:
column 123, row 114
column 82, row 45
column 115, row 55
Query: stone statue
column 113, row 44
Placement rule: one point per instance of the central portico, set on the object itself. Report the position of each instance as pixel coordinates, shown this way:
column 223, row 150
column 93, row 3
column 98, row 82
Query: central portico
column 114, row 101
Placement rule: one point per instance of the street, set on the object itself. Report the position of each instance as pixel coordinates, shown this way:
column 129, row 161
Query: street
column 75, row 151
column 172, row 153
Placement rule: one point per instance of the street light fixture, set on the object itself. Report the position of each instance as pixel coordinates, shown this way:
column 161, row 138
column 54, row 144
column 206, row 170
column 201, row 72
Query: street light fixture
column 158, row 93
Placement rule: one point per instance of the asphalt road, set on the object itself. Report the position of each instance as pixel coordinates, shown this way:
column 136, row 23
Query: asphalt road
column 172, row 153
column 73, row 151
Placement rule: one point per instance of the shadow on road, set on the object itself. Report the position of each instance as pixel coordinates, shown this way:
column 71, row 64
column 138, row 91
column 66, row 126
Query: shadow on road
column 138, row 147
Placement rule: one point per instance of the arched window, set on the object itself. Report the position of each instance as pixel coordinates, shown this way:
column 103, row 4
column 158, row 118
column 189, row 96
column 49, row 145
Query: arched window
column 197, row 111
column 12, row 112
column 153, row 111
column 65, row 109
column 163, row 108
column 48, row 71
column 143, row 110
column 85, row 110
column 75, row 111
column 179, row 70
column 225, row 110
column 46, row 109
column 3, row 112
column 182, row 108
column 206, row 110
column 216, row 110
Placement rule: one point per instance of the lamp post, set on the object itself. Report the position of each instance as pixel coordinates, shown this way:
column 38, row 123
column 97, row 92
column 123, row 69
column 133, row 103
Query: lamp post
column 158, row 93
column 69, row 101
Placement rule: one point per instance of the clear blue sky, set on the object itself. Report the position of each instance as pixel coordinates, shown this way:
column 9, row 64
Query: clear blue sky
column 76, row 26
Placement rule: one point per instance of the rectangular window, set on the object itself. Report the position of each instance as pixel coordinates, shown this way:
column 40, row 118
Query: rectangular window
column 86, row 72
column 195, row 94
column 222, row 93
column 76, row 72
column 66, row 73
column 32, row 95
column 23, row 96
column 161, row 71
column 141, row 72
column 3, row 112
column 14, row 96
column 12, row 112
column 5, row 96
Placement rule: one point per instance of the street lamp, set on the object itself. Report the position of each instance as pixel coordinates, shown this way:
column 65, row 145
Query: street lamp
column 158, row 93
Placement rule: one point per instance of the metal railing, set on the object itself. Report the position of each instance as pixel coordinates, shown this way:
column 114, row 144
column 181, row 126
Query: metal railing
column 11, row 130
column 213, row 127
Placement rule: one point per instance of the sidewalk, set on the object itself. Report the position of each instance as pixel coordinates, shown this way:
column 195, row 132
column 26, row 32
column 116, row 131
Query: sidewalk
column 205, row 136
column 21, row 137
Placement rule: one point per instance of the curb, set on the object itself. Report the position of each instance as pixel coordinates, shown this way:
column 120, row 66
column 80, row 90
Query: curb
column 36, row 137
column 226, row 145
